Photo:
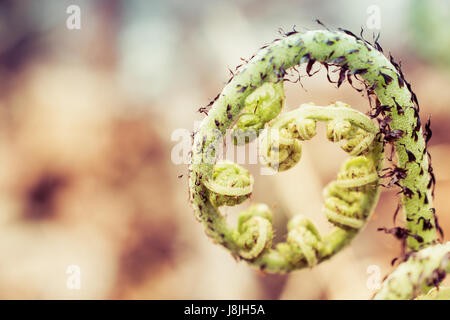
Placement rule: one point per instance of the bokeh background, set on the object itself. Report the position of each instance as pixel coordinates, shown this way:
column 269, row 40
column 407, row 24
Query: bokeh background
column 86, row 123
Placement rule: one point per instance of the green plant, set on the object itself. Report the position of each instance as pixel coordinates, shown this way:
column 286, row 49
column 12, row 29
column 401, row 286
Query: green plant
column 253, row 99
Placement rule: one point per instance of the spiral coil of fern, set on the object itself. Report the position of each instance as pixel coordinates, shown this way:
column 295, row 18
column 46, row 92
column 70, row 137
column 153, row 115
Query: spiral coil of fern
column 230, row 184
column 351, row 198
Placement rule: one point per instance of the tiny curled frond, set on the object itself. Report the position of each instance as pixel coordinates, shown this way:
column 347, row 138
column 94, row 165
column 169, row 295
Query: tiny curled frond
column 254, row 231
column 344, row 197
column 231, row 184
column 253, row 99
column 303, row 240
column 261, row 106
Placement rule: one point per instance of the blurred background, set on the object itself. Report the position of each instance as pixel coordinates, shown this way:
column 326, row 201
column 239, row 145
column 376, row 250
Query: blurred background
column 86, row 122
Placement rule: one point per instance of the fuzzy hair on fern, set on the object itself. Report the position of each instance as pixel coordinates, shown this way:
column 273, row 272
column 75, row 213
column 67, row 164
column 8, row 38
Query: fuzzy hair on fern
column 253, row 100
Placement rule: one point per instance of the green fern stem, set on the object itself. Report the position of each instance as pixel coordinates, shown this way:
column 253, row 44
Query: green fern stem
column 423, row 270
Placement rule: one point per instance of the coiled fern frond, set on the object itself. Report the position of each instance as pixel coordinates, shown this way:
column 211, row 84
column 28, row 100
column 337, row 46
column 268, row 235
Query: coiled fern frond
column 253, row 99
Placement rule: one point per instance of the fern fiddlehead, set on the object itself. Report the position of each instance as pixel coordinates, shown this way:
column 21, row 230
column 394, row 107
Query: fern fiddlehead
column 254, row 97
